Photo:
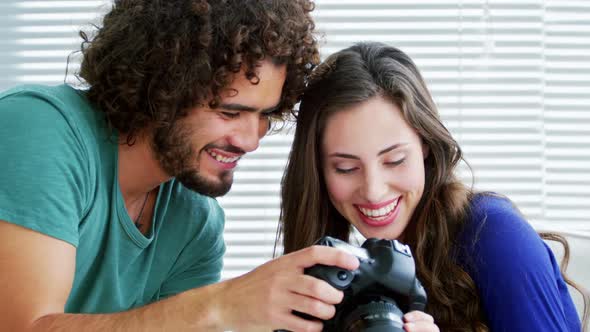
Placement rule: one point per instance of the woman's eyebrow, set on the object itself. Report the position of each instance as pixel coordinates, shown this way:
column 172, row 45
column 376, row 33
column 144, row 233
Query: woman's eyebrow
column 393, row 147
column 351, row 156
column 344, row 155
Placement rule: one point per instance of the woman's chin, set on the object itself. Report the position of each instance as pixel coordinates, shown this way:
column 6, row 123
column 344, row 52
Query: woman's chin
column 384, row 233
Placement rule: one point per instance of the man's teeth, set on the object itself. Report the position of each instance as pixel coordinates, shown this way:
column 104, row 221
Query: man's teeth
column 221, row 158
column 379, row 212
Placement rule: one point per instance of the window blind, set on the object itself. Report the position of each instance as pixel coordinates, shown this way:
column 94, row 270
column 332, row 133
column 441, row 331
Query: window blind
column 511, row 80
column 500, row 73
column 567, row 114
column 38, row 36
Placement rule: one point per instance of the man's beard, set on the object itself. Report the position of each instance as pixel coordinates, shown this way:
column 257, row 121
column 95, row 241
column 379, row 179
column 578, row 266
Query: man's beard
column 195, row 182
column 174, row 151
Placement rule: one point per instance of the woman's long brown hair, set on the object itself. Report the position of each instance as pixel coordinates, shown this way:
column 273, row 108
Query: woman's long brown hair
column 348, row 78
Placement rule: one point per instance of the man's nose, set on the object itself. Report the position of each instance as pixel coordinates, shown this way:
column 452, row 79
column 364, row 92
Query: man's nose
column 248, row 133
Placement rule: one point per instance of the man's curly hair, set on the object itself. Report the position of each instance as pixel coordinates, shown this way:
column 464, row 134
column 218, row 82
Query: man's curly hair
column 152, row 60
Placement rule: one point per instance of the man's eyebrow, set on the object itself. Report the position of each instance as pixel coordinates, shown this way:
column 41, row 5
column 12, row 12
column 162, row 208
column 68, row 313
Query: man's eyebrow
column 351, row 156
column 245, row 108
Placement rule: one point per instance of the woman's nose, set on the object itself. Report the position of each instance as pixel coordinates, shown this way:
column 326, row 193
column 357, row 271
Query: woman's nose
column 375, row 186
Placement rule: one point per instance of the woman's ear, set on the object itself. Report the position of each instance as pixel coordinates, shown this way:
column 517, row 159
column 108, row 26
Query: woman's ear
column 425, row 149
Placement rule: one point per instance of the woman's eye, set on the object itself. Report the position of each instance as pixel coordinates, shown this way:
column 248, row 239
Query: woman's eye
column 395, row 163
column 345, row 170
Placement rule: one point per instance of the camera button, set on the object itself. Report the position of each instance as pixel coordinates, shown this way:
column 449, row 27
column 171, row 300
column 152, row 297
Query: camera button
column 342, row 275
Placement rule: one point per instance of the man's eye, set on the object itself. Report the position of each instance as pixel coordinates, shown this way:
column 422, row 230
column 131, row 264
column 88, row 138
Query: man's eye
column 230, row 115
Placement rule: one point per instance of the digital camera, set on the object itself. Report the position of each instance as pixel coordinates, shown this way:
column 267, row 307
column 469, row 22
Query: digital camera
column 379, row 292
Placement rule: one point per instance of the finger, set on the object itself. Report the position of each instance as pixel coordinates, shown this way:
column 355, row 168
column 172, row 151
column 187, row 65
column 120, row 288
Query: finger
column 316, row 254
column 295, row 323
column 421, row 326
column 415, row 316
column 312, row 307
column 316, row 288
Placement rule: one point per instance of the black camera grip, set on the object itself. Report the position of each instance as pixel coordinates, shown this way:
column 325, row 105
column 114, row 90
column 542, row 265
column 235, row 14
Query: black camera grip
column 335, row 276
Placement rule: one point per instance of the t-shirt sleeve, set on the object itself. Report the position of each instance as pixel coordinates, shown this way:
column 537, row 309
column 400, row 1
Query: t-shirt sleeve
column 42, row 167
column 201, row 261
column 519, row 281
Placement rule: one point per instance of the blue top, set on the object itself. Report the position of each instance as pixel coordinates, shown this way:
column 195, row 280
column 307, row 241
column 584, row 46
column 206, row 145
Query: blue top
column 59, row 177
column 519, row 282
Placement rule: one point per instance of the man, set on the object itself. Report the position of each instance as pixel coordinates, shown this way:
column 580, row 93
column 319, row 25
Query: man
column 106, row 216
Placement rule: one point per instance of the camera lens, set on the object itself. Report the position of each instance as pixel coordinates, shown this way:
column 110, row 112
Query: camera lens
column 379, row 314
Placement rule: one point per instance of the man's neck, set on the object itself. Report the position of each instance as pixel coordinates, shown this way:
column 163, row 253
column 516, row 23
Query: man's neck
column 139, row 171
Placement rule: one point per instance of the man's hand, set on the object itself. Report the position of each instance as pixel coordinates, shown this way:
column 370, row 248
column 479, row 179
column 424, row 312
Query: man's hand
column 39, row 271
column 265, row 298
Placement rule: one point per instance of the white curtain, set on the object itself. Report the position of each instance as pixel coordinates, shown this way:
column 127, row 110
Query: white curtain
column 511, row 80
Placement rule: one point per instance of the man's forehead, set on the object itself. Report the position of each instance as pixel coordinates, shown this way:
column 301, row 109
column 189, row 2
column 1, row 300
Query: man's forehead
column 264, row 71
column 266, row 86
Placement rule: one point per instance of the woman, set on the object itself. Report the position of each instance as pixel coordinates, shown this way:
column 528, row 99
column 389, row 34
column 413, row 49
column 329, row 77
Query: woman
column 371, row 152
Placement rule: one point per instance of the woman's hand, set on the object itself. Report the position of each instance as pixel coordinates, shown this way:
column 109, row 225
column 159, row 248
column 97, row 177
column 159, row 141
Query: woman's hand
column 418, row 321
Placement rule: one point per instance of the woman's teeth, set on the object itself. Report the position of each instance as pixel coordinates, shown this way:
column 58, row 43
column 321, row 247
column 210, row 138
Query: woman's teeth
column 381, row 212
column 221, row 158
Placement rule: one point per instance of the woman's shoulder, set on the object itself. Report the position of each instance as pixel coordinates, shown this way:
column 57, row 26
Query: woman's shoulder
column 491, row 214
column 497, row 240
column 510, row 263
column 495, row 230
column 491, row 204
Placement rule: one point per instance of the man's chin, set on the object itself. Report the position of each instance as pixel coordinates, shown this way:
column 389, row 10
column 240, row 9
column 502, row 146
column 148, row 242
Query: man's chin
column 208, row 187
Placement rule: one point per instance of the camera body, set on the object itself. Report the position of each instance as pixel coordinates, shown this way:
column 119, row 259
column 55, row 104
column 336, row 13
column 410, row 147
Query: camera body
column 379, row 292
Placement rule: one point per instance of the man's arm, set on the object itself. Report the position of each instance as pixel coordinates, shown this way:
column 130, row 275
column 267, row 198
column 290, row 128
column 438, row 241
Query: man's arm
column 38, row 271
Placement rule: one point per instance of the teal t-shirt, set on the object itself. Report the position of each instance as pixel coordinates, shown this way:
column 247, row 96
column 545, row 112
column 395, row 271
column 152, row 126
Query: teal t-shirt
column 58, row 176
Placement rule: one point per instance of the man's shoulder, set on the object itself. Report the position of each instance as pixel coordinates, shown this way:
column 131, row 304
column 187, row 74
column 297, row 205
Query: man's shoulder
column 43, row 104
column 47, row 148
column 59, row 95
